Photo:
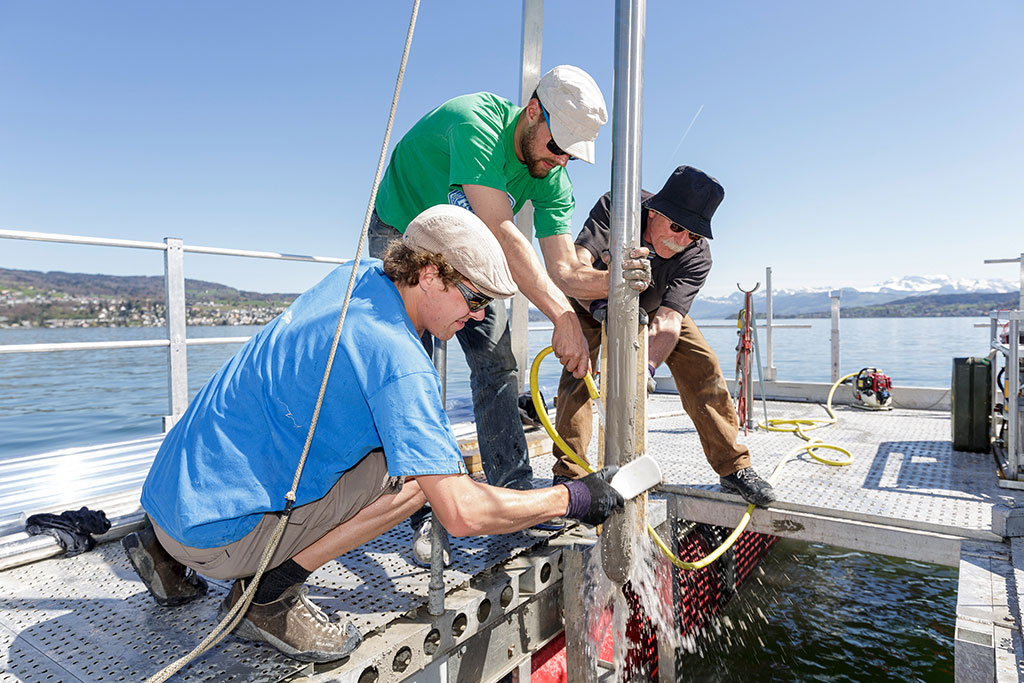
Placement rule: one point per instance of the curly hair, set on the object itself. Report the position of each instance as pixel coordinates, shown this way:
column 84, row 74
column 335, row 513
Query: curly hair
column 403, row 265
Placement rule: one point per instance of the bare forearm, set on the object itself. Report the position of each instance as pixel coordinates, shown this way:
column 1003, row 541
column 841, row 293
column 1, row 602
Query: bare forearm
column 583, row 283
column 663, row 335
column 530, row 277
column 491, row 510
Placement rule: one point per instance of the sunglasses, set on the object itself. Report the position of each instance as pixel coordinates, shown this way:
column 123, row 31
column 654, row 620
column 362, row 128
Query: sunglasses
column 552, row 147
column 475, row 300
column 694, row 237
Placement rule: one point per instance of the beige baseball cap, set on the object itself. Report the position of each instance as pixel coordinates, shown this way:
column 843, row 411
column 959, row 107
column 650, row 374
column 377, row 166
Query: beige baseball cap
column 575, row 108
column 466, row 244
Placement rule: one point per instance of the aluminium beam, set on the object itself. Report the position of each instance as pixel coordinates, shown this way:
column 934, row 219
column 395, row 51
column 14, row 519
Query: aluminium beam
column 912, row 543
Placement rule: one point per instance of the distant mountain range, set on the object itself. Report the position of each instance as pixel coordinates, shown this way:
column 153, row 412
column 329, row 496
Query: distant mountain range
column 812, row 302
column 34, row 298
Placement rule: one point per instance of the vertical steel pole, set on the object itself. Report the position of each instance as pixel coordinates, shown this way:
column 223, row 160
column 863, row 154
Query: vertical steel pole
column 770, row 373
column 623, row 302
column 435, row 589
column 529, row 76
column 1021, row 304
column 1013, row 445
column 835, row 335
column 177, row 363
column 580, row 651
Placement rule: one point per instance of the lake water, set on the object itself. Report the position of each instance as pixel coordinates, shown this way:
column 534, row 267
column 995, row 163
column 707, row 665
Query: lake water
column 828, row 615
column 75, row 398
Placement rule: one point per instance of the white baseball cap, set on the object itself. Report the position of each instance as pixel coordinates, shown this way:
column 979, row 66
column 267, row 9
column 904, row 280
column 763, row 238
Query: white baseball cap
column 575, row 107
column 466, row 244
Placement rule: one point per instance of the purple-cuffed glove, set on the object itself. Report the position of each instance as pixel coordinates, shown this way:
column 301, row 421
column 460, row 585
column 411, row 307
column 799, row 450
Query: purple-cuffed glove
column 592, row 499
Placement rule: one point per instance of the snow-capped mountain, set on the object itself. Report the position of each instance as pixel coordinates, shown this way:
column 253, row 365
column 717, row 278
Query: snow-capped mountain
column 810, row 299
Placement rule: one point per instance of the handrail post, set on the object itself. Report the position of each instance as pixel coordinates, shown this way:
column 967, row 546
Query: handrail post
column 1020, row 307
column 835, row 335
column 177, row 363
column 770, row 374
column 529, row 77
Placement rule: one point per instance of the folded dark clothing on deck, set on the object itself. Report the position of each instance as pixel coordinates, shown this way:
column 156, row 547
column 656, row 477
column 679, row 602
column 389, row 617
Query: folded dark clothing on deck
column 71, row 528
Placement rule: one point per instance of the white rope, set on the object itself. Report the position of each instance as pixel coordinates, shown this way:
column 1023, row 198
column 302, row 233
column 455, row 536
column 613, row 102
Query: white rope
column 231, row 619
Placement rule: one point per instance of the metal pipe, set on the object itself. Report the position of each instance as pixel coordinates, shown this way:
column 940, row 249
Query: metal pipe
column 158, row 246
column 84, row 346
column 623, row 302
column 835, row 335
column 529, row 77
column 770, row 374
column 435, row 589
column 1013, row 445
column 177, row 357
column 75, row 239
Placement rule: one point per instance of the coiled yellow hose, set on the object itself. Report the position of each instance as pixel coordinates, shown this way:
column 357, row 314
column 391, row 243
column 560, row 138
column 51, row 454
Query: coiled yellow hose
column 798, row 427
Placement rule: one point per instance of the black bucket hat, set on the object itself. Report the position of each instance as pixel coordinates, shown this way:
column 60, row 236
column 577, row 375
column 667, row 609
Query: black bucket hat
column 689, row 198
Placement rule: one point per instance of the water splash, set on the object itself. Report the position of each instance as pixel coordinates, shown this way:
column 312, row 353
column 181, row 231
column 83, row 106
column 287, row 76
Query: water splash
column 624, row 622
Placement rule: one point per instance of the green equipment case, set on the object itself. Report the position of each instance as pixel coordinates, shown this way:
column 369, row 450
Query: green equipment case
column 971, row 404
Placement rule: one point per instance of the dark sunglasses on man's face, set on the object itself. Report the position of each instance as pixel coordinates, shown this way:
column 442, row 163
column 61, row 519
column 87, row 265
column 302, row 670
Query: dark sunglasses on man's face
column 675, row 227
column 552, row 147
column 475, row 300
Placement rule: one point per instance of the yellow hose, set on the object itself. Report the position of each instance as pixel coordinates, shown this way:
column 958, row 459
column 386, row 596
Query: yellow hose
column 796, row 426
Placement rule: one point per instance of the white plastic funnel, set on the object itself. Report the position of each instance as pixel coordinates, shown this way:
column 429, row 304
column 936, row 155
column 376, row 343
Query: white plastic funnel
column 637, row 476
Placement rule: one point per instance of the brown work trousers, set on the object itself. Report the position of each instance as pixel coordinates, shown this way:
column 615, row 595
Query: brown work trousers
column 701, row 387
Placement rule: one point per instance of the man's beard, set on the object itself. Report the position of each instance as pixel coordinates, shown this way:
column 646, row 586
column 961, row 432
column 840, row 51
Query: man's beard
column 533, row 163
column 672, row 246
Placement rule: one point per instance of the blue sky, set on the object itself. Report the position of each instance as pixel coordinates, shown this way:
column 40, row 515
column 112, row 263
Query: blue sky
column 856, row 141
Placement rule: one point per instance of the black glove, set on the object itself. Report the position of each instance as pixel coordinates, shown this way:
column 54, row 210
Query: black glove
column 652, row 384
column 599, row 310
column 592, row 499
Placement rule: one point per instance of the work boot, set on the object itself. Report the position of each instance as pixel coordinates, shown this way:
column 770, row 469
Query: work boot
column 169, row 582
column 294, row 625
column 421, row 545
column 749, row 485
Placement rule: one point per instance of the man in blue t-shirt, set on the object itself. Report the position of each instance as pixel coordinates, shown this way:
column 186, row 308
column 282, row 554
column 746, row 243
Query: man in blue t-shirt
column 381, row 448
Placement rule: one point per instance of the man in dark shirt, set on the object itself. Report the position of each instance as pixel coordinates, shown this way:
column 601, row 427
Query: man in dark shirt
column 676, row 228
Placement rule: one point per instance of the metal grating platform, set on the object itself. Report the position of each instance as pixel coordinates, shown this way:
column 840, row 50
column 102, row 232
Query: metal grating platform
column 904, row 470
column 89, row 618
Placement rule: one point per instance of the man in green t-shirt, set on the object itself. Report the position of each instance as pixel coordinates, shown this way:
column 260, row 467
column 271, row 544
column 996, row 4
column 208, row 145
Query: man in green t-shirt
column 485, row 154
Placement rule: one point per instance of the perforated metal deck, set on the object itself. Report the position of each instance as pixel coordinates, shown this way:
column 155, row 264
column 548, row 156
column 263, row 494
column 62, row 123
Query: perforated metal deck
column 88, row 618
column 904, row 471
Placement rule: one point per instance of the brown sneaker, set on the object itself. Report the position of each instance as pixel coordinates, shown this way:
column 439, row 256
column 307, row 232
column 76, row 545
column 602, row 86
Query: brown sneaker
column 169, row 582
column 294, row 625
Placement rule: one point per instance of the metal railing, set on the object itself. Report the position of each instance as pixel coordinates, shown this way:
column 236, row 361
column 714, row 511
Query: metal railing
column 176, row 341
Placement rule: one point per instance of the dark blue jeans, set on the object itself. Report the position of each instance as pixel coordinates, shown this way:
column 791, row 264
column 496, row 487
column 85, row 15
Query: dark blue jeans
column 492, row 372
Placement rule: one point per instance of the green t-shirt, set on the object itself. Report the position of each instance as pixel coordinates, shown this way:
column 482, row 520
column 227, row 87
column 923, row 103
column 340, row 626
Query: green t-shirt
column 468, row 140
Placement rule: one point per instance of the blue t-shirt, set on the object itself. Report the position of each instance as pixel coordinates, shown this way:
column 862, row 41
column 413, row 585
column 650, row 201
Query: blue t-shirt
column 232, row 456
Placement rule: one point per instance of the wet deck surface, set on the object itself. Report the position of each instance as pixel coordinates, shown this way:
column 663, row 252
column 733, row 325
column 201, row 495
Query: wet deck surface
column 89, row 618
